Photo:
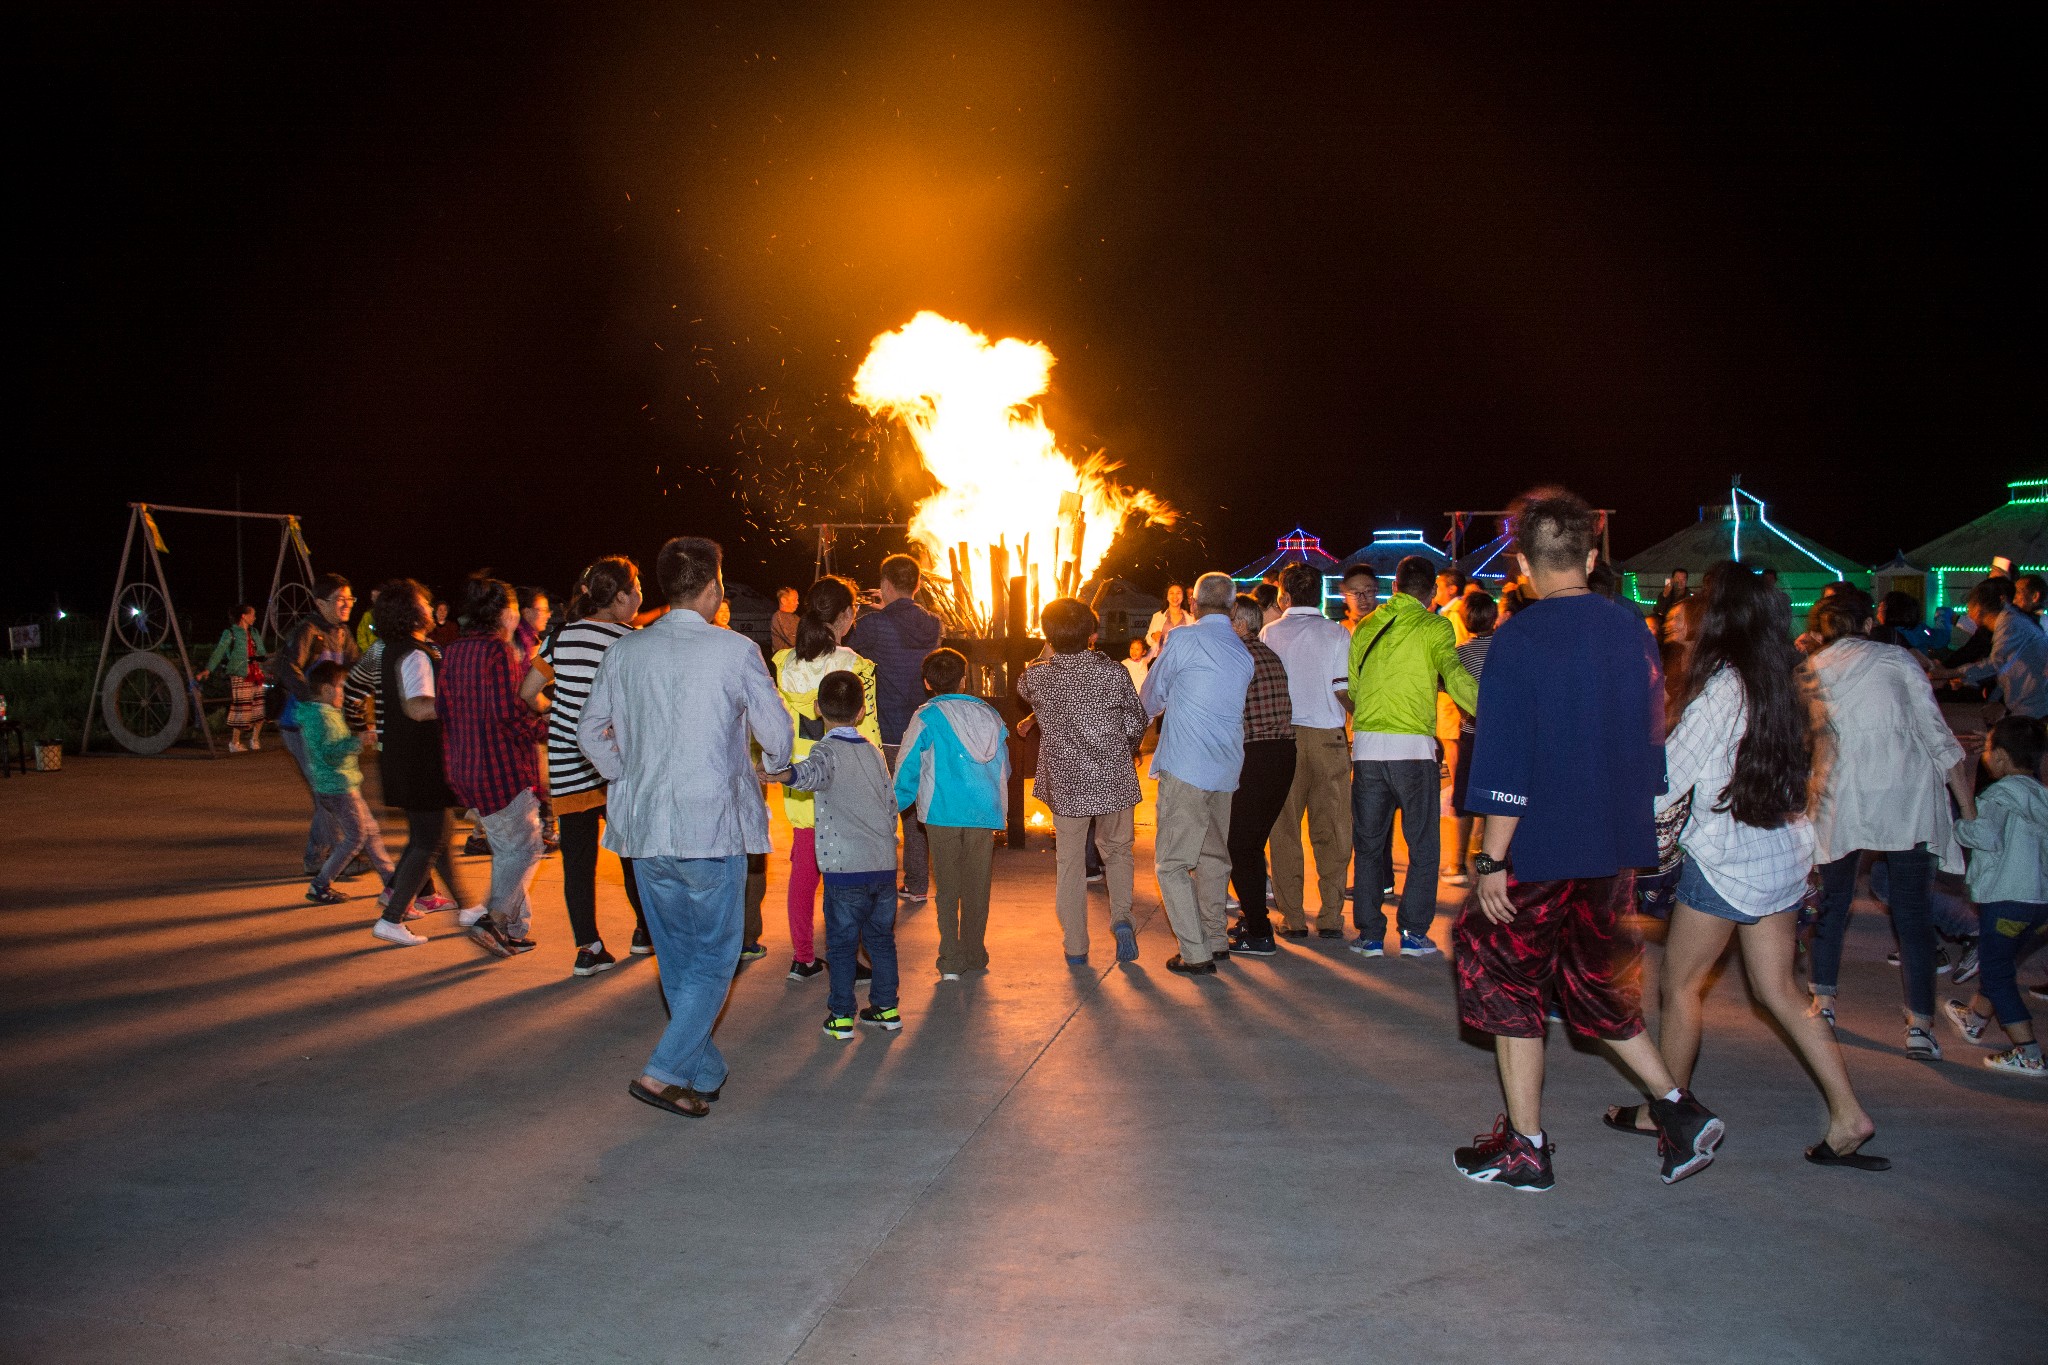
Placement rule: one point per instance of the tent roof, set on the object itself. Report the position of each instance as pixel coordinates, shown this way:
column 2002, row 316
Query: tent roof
column 2017, row 530
column 1492, row 560
column 1765, row 545
column 1390, row 546
column 1296, row 547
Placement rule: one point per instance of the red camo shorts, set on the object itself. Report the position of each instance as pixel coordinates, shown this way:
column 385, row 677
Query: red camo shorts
column 1566, row 936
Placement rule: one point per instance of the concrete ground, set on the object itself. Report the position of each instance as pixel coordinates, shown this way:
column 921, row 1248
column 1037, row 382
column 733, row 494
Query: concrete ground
column 237, row 1129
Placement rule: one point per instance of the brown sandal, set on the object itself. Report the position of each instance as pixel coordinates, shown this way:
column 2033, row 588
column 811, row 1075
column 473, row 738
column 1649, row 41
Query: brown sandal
column 676, row 1099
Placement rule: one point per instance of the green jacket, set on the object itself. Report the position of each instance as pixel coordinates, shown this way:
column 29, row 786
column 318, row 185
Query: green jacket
column 233, row 650
column 1397, row 655
column 330, row 750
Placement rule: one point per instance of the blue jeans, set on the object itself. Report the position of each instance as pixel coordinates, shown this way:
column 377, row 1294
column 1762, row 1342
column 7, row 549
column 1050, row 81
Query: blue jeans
column 320, row 834
column 861, row 915
column 1911, row 873
column 1378, row 789
column 695, row 908
column 1952, row 914
column 355, row 831
column 2006, row 926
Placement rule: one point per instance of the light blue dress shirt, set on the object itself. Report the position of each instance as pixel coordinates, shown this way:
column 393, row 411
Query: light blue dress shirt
column 666, row 724
column 1199, row 681
column 2019, row 660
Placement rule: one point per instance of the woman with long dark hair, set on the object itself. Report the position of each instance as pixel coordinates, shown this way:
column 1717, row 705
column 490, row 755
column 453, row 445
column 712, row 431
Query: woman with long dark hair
column 606, row 600
column 410, row 765
column 828, row 614
column 1742, row 750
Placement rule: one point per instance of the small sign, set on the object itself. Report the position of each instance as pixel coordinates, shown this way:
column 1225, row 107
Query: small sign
column 24, row 637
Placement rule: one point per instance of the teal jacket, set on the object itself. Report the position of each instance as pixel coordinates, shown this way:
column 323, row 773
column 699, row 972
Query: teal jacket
column 955, row 764
column 233, row 650
column 330, row 749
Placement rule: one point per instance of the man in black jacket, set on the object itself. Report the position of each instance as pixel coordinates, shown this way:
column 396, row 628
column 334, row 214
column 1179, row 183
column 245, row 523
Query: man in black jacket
column 317, row 638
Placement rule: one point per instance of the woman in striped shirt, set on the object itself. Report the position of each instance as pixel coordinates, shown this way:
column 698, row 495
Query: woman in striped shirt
column 606, row 600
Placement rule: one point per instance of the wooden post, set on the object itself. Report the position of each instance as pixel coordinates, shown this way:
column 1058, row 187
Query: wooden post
column 1016, row 655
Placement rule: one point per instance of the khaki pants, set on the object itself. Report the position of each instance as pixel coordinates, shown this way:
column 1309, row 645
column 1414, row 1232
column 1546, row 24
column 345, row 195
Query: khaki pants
column 1191, row 855
column 1070, row 878
column 960, row 861
column 1322, row 790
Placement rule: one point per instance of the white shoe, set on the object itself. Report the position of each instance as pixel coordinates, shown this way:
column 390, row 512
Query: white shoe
column 949, row 976
column 471, row 915
column 395, row 933
column 235, row 747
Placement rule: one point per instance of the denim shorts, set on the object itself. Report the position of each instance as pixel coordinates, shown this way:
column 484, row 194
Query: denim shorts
column 1696, row 891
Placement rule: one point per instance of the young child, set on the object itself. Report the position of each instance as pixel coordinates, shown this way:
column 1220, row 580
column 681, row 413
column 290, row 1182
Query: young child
column 954, row 766
column 2009, row 882
column 337, row 787
column 1090, row 724
column 855, row 838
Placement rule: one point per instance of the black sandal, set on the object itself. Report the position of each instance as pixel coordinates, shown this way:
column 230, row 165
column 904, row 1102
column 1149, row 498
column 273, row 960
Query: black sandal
column 676, row 1099
column 1820, row 1154
column 1622, row 1119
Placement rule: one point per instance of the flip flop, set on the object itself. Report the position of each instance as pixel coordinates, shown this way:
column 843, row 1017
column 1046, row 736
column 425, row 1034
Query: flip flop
column 676, row 1099
column 1820, row 1154
column 1622, row 1119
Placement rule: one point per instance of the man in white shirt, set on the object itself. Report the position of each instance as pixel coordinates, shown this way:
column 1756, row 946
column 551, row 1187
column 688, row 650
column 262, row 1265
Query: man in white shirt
column 666, row 724
column 1317, row 654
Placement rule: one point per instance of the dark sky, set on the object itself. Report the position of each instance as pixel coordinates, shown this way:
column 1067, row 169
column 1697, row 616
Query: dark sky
column 479, row 287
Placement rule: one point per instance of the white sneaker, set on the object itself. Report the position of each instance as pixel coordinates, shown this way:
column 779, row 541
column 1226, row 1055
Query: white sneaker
column 471, row 915
column 395, row 933
column 949, row 976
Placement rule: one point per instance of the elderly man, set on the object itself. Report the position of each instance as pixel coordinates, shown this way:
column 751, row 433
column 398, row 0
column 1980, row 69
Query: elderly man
column 1199, row 681
column 1316, row 652
column 2018, row 657
column 897, row 638
column 666, row 724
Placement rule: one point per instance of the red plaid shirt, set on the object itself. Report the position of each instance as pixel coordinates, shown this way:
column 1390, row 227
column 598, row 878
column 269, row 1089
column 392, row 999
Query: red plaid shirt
column 1268, row 707
column 489, row 737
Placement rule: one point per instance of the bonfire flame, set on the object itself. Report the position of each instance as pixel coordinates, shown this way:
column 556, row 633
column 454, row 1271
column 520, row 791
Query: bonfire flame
column 1009, row 502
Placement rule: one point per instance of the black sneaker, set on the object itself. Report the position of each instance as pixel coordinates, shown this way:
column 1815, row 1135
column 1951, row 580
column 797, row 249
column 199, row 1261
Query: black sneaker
column 1220, row 955
column 325, row 895
column 1505, row 1157
column 1174, row 964
column 804, row 971
column 1252, row 947
column 752, row 952
column 1294, row 933
column 863, row 972
column 591, row 961
column 1941, row 962
column 1329, row 933
column 489, row 937
column 882, row 1018
column 1687, row 1135
column 642, row 945
column 476, row 846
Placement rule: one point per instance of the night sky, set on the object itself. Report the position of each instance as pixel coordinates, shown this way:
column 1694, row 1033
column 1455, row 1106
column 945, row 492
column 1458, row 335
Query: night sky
column 475, row 288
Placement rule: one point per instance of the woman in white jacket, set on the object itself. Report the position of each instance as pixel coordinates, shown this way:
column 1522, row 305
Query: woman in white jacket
column 1742, row 754
column 1884, row 755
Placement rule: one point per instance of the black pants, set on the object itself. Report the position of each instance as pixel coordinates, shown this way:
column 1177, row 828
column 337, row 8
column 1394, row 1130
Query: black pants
column 579, row 875
column 426, row 846
column 1262, row 787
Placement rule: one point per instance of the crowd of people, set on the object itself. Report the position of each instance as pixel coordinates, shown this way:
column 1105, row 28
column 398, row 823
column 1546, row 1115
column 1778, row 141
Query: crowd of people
column 1576, row 771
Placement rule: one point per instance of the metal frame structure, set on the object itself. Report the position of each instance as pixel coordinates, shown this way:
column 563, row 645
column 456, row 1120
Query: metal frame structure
column 291, row 549
column 1462, row 518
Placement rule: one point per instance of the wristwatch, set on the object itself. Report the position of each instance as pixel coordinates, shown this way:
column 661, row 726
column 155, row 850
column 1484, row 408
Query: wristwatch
column 1486, row 866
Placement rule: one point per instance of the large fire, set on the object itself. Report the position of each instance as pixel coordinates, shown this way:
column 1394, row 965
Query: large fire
column 1010, row 503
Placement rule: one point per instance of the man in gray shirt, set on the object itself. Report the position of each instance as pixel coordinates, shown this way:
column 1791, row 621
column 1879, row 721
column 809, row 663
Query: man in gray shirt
column 666, row 724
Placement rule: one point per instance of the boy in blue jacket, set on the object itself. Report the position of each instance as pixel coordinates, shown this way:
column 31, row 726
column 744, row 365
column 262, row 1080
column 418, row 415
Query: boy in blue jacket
column 954, row 766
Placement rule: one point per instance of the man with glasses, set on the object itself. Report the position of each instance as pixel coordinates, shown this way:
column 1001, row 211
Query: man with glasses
column 316, row 639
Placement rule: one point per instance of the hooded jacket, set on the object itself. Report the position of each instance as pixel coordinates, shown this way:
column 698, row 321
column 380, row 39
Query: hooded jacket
column 797, row 680
column 2010, row 835
column 954, row 764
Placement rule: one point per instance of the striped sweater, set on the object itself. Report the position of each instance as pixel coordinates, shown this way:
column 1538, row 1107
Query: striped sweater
column 575, row 652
